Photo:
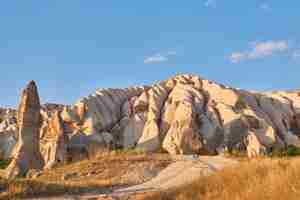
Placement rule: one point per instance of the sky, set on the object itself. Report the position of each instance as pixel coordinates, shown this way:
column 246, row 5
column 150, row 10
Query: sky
column 72, row 47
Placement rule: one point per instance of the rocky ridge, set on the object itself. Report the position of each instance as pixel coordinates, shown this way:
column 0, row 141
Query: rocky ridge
column 183, row 115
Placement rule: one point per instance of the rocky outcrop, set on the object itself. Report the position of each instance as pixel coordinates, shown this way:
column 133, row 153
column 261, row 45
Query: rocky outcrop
column 183, row 115
column 6, row 113
column 55, row 141
column 187, row 114
column 150, row 139
column 180, row 120
column 27, row 153
column 8, row 135
column 254, row 146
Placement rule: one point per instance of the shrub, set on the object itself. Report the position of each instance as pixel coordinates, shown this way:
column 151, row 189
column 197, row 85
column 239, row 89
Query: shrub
column 4, row 163
column 290, row 151
column 293, row 151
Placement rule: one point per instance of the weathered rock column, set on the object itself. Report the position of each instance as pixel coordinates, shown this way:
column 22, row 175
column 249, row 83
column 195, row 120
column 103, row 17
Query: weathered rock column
column 55, row 149
column 27, row 152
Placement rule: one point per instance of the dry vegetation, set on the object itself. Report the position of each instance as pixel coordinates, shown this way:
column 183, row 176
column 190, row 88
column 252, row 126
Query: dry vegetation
column 97, row 175
column 264, row 178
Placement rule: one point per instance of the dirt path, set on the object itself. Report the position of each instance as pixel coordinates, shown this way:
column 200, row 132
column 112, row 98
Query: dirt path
column 183, row 171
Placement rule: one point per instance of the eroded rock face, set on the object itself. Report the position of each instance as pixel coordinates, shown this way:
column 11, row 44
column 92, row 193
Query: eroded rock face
column 183, row 136
column 133, row 121
column 180, row 120
column 8, row 135
column 54, row 143
column 254, row 146
column 188, row 114
column 183, row 115
column 7, row 143
column 150, row 139
column 27, row 153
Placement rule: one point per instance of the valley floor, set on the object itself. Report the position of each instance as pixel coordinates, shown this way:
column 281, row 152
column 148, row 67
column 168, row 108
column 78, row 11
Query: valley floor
column 163, row 177
column 99, row 175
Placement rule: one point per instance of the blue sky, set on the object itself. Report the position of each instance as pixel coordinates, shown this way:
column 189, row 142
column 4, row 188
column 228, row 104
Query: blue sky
column 73, row 47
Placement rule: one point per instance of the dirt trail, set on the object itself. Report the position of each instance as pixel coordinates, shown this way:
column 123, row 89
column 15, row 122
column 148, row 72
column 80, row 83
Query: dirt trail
column 181, row 172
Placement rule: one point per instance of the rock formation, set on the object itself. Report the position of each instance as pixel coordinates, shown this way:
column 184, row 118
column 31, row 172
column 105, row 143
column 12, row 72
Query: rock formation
column 188, row 114
column 54, row 142
column 27, row 153
column 185, row 114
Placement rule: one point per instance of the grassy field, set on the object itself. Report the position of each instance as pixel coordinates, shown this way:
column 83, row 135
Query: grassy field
column 264, row 178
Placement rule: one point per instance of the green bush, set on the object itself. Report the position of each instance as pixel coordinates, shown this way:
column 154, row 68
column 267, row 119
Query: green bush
column 293, row 151
column 290, row 151
column 4, row 163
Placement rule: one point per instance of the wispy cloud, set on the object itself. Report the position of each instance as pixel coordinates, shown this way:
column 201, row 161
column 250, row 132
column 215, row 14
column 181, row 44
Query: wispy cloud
column 160, row 57
column 211, row 3
column 260, row 50
column 155, row 59
column 265, row 6
column 237, row 57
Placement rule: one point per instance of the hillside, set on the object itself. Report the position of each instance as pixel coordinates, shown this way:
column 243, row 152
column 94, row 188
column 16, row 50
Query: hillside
column 183, row 115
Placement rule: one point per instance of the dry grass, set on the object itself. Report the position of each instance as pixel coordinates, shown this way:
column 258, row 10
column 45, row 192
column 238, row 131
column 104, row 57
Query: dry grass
column 265, row 178
column 14, row 189
column 95, row 175
column 105, row 168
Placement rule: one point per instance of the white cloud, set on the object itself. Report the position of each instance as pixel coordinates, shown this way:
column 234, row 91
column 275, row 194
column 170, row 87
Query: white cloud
column 265, row 49
column 237, row 57
column 160, row 57
column 155, row 59
column 211, row 3
column 259, row 50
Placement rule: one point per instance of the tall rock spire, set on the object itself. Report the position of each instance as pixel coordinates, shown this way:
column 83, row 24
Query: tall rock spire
column 27, row 152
